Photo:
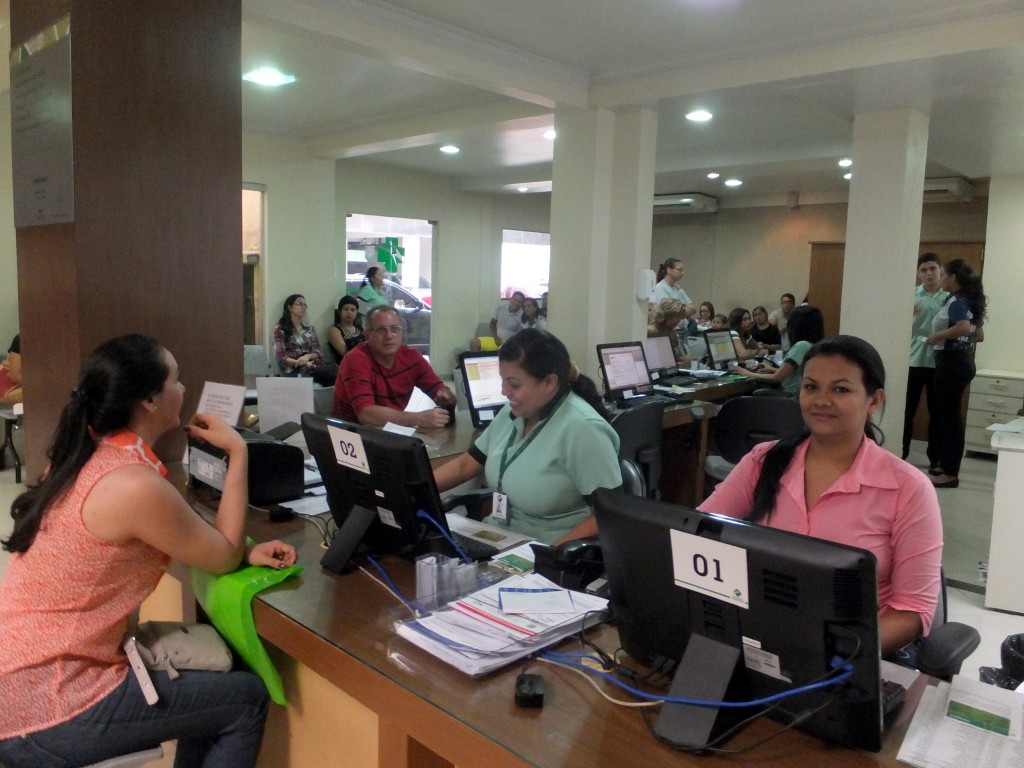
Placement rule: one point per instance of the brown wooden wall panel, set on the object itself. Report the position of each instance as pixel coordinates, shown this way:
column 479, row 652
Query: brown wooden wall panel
column 156, row 242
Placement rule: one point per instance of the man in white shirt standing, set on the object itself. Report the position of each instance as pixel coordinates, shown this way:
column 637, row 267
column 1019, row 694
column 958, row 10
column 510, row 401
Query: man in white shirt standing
column 928, row 300
column 780, row 317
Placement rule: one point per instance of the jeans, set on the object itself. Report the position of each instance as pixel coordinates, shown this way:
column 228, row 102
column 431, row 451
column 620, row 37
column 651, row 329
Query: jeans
column 954, row 370
column 217, row 718
column 920, row 378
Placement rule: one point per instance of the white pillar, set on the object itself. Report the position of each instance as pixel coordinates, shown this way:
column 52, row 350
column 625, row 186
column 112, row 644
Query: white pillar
column 601, row 216
column 1003, row 277
column 883, row 235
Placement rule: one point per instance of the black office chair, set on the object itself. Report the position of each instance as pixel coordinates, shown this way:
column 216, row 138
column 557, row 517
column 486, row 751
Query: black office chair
column 639, row 431
column 944, row 651
column 742, row 423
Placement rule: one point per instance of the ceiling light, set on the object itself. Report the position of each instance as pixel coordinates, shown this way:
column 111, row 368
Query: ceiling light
column 699, row 116
column 845, row 162
column 713, row 175
column 450, row 149
column 733, row 182
column 550, row 134
column 268, row 76
column 847, row 176
column 523, row 189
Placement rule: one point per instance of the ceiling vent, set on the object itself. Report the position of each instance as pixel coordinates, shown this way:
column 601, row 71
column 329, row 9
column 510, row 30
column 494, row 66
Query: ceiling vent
column 948, row 190
column 685, row 202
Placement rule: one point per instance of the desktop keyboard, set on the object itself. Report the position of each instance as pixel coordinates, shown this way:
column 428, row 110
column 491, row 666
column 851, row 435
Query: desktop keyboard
column 632, row 402
column 678, row 381
column 475, row 550
column 892, row 695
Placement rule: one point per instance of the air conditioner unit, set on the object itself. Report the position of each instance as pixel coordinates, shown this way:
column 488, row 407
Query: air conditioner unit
column 685, row 202
column 948, row 190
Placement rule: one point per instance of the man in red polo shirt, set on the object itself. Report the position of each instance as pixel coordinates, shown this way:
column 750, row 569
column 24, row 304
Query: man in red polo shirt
column 376, row 379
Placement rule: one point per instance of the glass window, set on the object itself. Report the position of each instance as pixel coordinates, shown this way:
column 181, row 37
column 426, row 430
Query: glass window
column 525, row 262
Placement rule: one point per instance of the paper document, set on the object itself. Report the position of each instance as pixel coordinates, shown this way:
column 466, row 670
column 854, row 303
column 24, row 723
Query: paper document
column 308, row 506
column 419, row 401
column 1011, row 427
column 224, row 400
column 937, row 741
column 283, row 399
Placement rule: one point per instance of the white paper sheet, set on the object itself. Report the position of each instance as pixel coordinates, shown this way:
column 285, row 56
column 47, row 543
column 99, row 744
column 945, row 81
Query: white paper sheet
column 283, row 399
column 224, row 400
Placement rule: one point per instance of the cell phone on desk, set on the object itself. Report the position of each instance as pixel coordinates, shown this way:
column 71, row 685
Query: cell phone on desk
column 131, row 650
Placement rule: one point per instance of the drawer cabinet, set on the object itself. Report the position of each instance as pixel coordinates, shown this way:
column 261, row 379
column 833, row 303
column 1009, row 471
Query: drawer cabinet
column 996, row 397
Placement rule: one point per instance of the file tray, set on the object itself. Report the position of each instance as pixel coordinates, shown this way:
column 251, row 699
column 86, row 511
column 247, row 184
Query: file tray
column 474, row 635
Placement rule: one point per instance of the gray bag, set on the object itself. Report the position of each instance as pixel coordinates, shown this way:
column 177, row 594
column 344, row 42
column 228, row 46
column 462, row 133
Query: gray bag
column 171, row 646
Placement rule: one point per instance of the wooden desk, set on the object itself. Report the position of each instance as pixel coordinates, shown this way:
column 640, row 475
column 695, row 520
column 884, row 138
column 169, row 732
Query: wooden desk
column 360, row 696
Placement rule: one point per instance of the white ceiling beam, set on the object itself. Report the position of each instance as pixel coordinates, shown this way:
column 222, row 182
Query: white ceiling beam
column 976, row 35
column 429, row 47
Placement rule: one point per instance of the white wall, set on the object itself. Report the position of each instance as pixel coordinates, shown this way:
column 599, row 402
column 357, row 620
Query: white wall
column 467, row 248
column 1003, row 276
column 8, row 247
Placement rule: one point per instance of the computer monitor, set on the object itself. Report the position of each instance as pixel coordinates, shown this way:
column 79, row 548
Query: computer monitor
column 483, row 386
column 749, row 612
column 624, row 369
column 721, row 350
column 376, row 484
column 661, row 359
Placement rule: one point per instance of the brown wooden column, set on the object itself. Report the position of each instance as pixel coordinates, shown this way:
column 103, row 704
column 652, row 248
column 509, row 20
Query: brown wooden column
column 155, row 244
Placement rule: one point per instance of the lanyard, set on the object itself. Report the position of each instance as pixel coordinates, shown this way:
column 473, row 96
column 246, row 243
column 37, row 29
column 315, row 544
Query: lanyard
column 507, row 460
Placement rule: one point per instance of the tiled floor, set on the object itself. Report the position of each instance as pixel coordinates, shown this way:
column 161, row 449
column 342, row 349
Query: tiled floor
column 967, row 515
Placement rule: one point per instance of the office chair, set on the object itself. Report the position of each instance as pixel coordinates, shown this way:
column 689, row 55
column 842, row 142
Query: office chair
column 944, row 651
column 254, row 363
column 742, row 423
column 632, row 478
column 639, row 431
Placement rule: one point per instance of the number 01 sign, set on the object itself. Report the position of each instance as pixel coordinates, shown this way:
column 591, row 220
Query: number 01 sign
column 710, row 567
column 348, row 449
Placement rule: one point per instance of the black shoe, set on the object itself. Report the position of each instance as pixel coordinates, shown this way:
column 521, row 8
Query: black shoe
column 954, row 483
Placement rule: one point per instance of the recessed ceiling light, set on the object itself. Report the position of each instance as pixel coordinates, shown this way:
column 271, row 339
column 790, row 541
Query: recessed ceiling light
column 550, row 134
column 699, row 116
column 733, row 182
column 523, row 189
column 268, row 76
column 713, row 175
column 450, row 149
column 847, row 176
column 845, row 162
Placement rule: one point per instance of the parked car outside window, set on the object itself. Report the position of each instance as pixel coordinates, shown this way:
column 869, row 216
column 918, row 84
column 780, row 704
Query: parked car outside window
column 415, row 314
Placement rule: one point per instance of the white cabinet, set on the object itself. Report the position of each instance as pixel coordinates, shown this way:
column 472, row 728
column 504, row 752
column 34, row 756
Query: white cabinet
column 996, row 397
column 1003, row 590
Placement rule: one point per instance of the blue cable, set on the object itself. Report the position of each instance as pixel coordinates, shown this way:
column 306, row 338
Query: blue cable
column 458, row 550
column 417, row 609
column 846, row 674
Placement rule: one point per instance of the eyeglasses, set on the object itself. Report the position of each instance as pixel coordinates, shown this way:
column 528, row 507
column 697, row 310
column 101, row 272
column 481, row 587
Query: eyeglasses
column 299, row 304
column 384, row 330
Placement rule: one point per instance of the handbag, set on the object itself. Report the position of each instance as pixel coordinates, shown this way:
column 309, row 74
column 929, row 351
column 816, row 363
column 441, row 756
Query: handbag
column 171, row 646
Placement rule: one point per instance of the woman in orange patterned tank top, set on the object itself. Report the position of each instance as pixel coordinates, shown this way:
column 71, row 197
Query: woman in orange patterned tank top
column 90, row 542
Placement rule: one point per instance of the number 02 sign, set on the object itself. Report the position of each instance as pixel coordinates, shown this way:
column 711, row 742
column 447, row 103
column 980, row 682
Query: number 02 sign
column 710, row 567
column 348, row 449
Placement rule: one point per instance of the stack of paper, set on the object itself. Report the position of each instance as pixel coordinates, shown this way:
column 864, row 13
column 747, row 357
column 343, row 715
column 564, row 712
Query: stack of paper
column 476, row 636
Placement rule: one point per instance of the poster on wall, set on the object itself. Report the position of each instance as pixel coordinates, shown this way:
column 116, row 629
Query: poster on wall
column 41, row 139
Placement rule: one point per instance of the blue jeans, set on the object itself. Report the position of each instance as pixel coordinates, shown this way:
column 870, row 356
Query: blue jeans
column 217, row 718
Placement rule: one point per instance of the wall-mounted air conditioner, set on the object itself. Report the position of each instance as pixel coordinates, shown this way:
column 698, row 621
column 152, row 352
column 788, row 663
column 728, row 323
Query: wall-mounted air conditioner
column 948, row 190
column 685, row 202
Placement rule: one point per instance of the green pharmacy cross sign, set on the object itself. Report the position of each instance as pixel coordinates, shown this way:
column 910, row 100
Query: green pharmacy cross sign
column 390, row 254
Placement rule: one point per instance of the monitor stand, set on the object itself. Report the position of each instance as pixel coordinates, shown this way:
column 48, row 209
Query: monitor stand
column 704, row 673
column 338, row 558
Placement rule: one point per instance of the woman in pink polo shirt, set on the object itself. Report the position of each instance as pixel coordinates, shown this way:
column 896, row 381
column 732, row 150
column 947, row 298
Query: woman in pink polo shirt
column 836, row 482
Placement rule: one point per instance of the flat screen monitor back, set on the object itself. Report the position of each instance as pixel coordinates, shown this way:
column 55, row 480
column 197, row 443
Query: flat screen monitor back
column 720, row 348
column 624, row 369
column 483, row 386
column 807, row 602
column 376, row 506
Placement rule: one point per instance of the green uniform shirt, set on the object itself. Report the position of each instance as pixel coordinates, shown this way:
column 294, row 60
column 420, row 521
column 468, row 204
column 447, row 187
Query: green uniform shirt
column 795, row 357
column 922, row 355
column 575, row 453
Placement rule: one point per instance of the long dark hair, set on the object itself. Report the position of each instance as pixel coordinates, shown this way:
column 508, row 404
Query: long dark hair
column 540, row 353
column 286, row 314
column 778, row 458
column 970, row 288
column 370, row 273
column 115, row 378
column 665, row 266
column 805, row 323
column 736, row 322
column 343, row 302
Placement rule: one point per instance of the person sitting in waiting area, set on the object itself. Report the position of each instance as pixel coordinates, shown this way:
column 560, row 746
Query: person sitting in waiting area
column 739, row 324
column 297, row 346
column 719, row 322
column 345, row 333
column 666, row 316
column 376, row 379
column 763, row 332
column 90, row 542
column 836, row 482
column 10, row 374
column 806, row 327
column 531, row 317
column 505, row 323
column 548, row 450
